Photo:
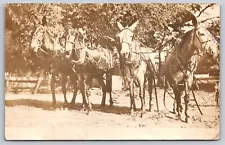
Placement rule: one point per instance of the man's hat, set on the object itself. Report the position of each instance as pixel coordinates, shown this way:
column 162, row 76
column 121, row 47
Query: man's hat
column 68, row 21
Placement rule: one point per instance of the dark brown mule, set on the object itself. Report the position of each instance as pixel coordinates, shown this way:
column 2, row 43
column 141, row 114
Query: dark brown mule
column 54, row 58
column 179, row 67
column 136, row 65
column 94, row 63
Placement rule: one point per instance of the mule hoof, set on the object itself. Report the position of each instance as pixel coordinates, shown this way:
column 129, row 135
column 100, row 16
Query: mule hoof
column 72, row 103
column 111, row 103
column 83, row 109
column 186, row 119
column 178, row 117
column 88, row 111
column 34, row 92
column 142, row 114
column 52, row 108
column 181, row 108
column 65, row 105
column 53, row 104
column 173, row 112
column 102, row 106
column 132, row 112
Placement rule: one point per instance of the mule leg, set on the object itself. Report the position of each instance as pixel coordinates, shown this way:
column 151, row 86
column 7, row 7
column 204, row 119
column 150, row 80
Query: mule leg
column 75, row 89
column 111, row 100
column 178, row 99
column 174, row 101
column 53, row 90
column 103, row 98
column 87, row 86
column 63, row 83
column 150, row 92
column 49, row 75
column 103, row 86
column 141, row 95
column 40, row 79
column 109, row 87
column 144, row 90
column 67, row 84
column 186, row 101
column 82, row 90
column 88, row 94
column 187, row 97
column 132, row 87
column 156, row 96
column 134, row 105
column 141, row 82
column 132, row 101
column 84, row 104
column 174, row 106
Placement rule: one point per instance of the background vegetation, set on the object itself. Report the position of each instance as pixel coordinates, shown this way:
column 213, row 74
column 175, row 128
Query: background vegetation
column 99, row 22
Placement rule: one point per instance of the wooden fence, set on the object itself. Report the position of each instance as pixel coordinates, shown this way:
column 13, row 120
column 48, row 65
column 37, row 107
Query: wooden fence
column 26, row 84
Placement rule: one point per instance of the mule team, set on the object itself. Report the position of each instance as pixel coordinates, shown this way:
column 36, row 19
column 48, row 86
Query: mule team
column 82, row 63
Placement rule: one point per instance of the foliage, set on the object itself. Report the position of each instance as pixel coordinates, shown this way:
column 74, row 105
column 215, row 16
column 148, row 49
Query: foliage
column 99, row 22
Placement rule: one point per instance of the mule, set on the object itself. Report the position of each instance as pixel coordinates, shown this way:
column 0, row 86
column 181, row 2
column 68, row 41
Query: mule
column 136, row 65
column 93, row 63
column 179, row 67
column 54, row 57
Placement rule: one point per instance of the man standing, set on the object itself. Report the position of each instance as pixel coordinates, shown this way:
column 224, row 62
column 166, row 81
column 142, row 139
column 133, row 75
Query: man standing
column 217, row 91
column 69, row 36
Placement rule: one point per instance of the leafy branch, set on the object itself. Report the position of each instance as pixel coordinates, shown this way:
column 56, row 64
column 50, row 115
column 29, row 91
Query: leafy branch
column 208, row 6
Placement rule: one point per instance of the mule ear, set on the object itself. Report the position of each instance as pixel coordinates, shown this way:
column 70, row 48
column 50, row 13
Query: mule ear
column 133, row 26
column 118, row 35
column 120, row 26
column 81, row 31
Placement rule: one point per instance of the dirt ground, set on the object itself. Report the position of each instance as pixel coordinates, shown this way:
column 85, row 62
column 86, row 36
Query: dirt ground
column 29, row 117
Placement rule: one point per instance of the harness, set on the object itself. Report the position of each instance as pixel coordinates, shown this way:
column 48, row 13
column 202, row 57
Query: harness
column 90, row 58
column 191, row 64
column 40, row 40
column 138, row 56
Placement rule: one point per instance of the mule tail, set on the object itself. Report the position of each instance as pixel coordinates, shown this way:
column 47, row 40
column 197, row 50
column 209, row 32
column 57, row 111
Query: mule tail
column 164, row 96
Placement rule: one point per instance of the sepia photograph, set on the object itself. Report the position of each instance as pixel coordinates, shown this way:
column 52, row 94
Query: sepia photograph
column 109, row 71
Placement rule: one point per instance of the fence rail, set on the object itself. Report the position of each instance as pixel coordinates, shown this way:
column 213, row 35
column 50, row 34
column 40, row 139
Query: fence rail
column 27, row 84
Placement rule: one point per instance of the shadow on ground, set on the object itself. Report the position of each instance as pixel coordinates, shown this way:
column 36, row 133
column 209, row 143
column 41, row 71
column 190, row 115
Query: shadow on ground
column 46, row 105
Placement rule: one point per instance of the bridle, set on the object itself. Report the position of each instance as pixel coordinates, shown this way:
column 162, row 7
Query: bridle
column 40, row 46
column 202, row 43
column 130, row 46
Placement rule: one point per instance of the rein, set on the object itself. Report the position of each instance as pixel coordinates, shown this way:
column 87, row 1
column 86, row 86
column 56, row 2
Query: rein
column 45, row 52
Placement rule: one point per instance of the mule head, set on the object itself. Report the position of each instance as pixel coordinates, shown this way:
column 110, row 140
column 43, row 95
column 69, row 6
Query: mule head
column 37, row 37
column 208, row 43
column 126, row 35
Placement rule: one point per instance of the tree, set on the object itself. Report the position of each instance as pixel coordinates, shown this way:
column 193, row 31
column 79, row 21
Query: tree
column 99, row 21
